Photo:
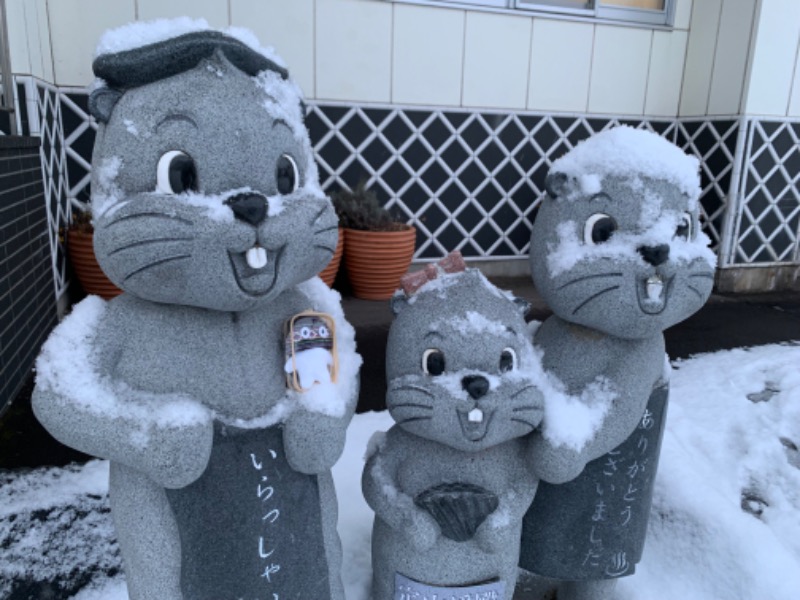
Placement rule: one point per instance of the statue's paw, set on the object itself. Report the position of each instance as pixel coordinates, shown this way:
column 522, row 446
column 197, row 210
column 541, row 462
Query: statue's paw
column 422, row 530
column 558, row 471
column 554, row 464
column 179, row 456
column 313, row 442
column 490, row 536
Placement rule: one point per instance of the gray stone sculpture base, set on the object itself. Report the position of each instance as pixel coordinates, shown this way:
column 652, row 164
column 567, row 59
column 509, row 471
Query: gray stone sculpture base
column 262, row 516
column 599, row 520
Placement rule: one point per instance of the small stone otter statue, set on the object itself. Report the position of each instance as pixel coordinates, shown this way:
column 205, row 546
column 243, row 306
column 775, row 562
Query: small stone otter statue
column 208, row 214
column 618, row 255
column 449, row 482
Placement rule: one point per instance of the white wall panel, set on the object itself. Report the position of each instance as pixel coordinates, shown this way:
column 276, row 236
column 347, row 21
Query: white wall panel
column 700, row 57
column 730, row 57
column 44, row 39
column 427, row 55
column 29, row 38
column 33, row 36
column 683, row 13
column 18, row 37
column 666, row 71
column 213, row 11
column 353, row 50
column 496, row 55
column 619, row 70
column 561, row 63
column 773, row 58
column 286, row 26
column 794, row 99
column 74, row 36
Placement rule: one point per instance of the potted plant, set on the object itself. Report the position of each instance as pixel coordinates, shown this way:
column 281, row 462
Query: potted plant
column 80, row 249
column 378, row 248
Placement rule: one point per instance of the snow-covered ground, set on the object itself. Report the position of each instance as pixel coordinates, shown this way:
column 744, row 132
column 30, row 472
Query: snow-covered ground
column 725, row 522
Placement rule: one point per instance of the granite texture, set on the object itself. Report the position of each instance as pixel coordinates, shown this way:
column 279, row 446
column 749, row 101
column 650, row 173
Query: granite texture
column 220, row 481
column 611, row 297
column 449, row 481
column 608, row 542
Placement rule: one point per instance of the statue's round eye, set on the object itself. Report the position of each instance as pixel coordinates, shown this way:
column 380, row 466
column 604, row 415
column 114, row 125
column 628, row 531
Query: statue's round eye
column 323, row 331
column 176, row 173
column 508, row 360
column 684, row 229
column 598, row 229
column 433, row 361
column 305, row 333
column 287, row 175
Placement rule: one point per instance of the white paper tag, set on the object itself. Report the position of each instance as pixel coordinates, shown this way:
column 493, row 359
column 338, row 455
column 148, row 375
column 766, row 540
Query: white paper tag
column 408, row 589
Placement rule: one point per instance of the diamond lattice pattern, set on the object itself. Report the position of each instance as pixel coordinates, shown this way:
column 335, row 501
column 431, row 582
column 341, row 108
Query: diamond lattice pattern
column 467, row 180
column 769, row 220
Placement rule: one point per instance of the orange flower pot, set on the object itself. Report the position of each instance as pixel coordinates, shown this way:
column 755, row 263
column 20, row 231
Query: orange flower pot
column 376, row 260
column 328, row 274
column 81, row 254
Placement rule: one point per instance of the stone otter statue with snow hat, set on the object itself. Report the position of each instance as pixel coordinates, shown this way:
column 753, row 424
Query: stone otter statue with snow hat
column 617, row 253
column 209, row 216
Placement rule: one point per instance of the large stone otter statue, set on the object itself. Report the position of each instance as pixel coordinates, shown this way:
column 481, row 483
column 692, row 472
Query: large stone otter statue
column 208, row 214
column 618, row 255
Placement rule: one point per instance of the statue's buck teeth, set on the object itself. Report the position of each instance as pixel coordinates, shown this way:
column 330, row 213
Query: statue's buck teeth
column 475, row 415
column 654, row 287
column 256, row 257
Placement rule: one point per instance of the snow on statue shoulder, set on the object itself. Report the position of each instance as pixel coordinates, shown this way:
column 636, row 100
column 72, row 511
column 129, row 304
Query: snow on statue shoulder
column 208, row 214
column 618, row 254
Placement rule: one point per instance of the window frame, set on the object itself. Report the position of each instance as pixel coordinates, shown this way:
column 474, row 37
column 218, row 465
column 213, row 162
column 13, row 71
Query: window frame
column 599, row 12
column 637, row 15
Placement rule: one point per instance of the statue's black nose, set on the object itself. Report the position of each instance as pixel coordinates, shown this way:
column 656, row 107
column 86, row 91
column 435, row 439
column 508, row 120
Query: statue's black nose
column 476, row 386
column 250, row 208
column 655, row 255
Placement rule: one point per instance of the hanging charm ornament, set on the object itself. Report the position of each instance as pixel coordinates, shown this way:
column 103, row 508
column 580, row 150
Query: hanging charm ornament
column 310, row 350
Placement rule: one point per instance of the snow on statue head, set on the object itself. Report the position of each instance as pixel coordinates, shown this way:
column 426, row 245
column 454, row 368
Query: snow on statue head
column 449, row 482
column 617, row 253
column 617, row 244
column 208, row 214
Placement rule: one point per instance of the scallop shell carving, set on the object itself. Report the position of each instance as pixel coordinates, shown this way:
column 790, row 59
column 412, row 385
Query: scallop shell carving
column 459, row 508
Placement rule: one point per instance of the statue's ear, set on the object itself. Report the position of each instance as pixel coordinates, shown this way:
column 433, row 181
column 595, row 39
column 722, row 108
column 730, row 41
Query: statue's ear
column 102, row 102
column 398, row 302
column 523, row 306
column 555, row 183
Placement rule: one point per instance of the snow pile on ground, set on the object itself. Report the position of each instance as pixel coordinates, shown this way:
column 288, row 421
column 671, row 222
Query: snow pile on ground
column 56, row 534
column 724, row 524
column 726, row 514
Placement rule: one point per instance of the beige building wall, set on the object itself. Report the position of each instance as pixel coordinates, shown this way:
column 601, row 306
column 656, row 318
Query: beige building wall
column 720, row 58
column 375, row 51
column 742, row 58
column 773, row 74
